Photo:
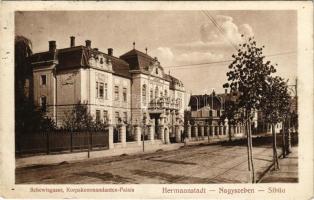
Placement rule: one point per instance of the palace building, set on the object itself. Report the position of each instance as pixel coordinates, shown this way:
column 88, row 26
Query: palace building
column 132, row 87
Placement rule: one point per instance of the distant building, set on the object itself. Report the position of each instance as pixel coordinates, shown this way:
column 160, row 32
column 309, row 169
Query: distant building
column 131, row 87
column 206, row 108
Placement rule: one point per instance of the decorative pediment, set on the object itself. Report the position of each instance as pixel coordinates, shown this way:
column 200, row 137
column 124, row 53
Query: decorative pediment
column 155, row 69
column 99, row 61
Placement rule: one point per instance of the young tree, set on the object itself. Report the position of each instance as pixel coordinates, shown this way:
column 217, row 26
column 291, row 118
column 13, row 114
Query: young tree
column 276, row 107
column 78, row 119
column 247, row 75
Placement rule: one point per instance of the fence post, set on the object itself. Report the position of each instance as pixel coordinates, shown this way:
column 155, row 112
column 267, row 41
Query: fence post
column 89, row 143
column 110, row 136
column 178, row 133
column 196, row 131
column 162, row 133
column 71, row 140
column 151, row 132
column 48, row 150
column 137, row 134
column 189, row 131
column 202, row 131
column 123, row 134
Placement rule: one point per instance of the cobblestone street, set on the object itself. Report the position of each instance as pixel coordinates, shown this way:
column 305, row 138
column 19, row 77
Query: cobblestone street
column 220, row 163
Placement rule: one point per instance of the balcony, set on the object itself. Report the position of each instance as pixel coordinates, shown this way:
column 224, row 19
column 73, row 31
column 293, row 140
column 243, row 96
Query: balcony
column 163, row 103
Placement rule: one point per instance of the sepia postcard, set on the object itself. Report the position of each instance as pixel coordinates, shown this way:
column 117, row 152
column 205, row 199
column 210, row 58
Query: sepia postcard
column 156, row 100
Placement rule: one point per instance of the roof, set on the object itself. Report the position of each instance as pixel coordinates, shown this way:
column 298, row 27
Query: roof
column 77, row 57
column 173, row 81
column 200, row 101
column 137, row 60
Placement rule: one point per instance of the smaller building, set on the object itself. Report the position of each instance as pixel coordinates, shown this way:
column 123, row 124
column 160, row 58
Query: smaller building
column 206, row 109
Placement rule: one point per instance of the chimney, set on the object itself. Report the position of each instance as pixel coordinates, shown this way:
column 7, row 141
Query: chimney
column 110, row 51
column 72, row 38
column 88, row 43
column 52, row 45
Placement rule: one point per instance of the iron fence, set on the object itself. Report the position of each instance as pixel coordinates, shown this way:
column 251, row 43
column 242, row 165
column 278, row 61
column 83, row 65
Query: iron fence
column 60, row 142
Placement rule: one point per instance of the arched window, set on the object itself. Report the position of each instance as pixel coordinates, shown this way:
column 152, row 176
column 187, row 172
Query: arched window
column 156, row 92
column 144, row 94
column 151, row 94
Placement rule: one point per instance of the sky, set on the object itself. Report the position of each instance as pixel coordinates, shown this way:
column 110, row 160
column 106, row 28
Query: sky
column 179, row 39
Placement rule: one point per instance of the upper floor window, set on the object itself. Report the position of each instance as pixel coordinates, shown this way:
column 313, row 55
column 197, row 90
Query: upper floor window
column 116, row 92
column 117, row 117
column 124, row 94
column 166, row 93
column 106, row 91
column 156, row 70
column 43, row 79
column 151, row 94
column 125, row 117
column 43, row 103
column 97, row 115
column 144, row 94
column 100, row 90
column 156, row 92
column 105, row 116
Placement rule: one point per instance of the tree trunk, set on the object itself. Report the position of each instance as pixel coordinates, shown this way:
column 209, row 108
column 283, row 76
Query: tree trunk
column 275, row 156
column 251, row 152
column 283, row 137
column 248, row 145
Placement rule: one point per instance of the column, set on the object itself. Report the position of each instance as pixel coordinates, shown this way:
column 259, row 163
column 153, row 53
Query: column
column 178, row 133
column 162, row 133
column 226, row 129
column 221, row 129
column 201, row 126
column 151, row 133
column 137, row 130
column 167, row 138
column 110, row 135
column 206, row 130
column 122, row 130
column 189, row 134
column 231, row 130
column 196, row 131
column 211, row 130
column 214, row 130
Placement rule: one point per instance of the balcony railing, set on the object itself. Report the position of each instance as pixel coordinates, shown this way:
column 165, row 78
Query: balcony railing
column 164, row 103
column 206, row 114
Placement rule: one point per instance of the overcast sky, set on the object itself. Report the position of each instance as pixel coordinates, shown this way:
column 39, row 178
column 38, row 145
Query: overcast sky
column 176, row 37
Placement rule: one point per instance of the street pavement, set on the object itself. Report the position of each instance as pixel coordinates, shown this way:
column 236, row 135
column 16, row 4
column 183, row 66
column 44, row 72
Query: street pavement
column 288, row 172
column 219, row 163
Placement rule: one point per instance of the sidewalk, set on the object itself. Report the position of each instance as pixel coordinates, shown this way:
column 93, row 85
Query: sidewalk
column 288, row 172
column 132, row 148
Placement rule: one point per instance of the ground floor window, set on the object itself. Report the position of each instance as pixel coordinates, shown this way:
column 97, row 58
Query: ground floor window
column 97, row 115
